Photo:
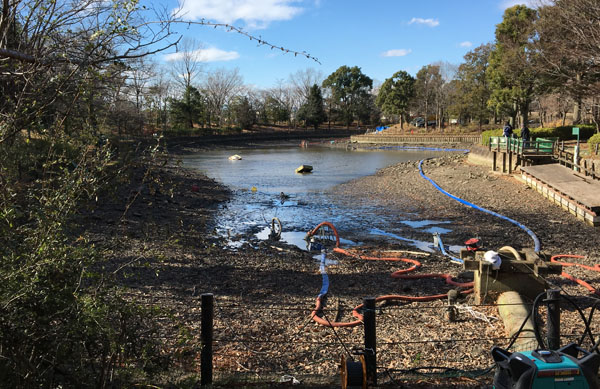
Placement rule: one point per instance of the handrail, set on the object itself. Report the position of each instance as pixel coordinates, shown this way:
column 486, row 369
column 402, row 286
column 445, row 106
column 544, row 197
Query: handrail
column 521, row 147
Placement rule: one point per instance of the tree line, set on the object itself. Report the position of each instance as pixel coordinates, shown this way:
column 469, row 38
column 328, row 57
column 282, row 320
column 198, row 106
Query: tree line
column 541, row 61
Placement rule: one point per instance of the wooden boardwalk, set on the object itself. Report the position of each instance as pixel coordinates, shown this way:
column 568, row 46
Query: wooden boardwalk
column 574, row 192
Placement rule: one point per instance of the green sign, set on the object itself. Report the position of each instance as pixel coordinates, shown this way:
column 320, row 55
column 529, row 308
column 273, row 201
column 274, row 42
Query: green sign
column 575, row 130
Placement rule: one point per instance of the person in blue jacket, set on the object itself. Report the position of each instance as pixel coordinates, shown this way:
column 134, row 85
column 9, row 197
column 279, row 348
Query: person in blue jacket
column 525, row 135
column 508, row 130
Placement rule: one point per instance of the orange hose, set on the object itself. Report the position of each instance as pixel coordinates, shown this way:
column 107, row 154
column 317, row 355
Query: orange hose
column 328, row 224
column 401, row 274
column 575, row 279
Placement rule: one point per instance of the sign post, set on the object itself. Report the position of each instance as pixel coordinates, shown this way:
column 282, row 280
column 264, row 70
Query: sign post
column 576, row 151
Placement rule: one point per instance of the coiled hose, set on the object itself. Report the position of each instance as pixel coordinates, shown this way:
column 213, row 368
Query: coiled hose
column 522, row 226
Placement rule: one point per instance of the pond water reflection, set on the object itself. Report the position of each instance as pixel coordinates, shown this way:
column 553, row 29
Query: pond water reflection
column 306, row 202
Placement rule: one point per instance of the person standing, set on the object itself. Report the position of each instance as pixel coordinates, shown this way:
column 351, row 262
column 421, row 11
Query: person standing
column 507, row 131
column 525, row 135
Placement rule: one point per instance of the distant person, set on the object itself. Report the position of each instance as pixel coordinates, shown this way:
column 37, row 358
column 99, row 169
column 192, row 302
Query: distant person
column 525, row 135
column 507, row 131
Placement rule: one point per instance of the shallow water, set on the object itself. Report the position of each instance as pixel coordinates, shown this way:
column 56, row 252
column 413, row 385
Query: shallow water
column 259, row 178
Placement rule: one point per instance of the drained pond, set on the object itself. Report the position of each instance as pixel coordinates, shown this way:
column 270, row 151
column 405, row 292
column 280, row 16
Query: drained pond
column 266, row 186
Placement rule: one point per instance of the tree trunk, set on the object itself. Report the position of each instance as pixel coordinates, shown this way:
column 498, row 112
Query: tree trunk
column 577, row 111
column 524, row 113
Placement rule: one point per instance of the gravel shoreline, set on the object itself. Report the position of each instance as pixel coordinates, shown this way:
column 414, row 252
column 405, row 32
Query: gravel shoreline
column 266, row 291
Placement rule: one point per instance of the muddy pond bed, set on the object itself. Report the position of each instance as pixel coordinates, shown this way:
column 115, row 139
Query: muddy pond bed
column 181, row 240
column 265, row 186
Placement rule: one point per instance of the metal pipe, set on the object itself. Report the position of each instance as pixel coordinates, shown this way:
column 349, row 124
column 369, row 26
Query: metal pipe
column 553, row 322
column 370, row 340
column 206, row 339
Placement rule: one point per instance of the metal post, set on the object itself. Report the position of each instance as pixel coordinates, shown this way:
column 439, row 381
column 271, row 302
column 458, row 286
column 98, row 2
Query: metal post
column 206, row 339
column 370, row 340
column 451, row 309
column 553, row 336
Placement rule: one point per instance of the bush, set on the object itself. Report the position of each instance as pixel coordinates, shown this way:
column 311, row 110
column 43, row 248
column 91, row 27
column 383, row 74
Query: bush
column 593, row 142
column 486, row 135
column 61, row 324
column 562, row 133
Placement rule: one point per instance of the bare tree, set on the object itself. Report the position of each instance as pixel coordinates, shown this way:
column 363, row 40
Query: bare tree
column 302, row 81
column 186, row 63
column 158, row 92
column 568, row 43
column 220, row 86
column 285, row 97
column 448, row 72
column 55, row 53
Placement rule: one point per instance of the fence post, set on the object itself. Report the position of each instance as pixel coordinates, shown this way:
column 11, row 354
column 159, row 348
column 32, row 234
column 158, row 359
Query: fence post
column 370, row 341
column 553, row 336
column 206, row 339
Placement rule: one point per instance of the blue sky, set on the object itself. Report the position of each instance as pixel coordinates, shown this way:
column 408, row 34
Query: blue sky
column 379, row 36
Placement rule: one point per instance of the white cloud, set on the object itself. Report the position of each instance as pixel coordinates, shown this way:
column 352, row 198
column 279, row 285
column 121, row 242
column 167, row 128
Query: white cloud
column 253, row 12
column 466, row 44
column 428, row 22
column 504, row 4
column 211, row 54
column 396, row 53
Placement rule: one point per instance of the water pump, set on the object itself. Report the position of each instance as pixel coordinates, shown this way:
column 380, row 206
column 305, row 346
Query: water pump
column 568, row 367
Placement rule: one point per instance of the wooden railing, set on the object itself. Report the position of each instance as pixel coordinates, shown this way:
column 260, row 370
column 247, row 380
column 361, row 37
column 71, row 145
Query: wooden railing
column 541, row 146
column 566, row 157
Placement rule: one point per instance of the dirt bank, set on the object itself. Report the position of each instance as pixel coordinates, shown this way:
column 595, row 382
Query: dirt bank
column 158, row 230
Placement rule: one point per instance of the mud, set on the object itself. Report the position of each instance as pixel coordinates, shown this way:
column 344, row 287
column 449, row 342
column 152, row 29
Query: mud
column 157, row 232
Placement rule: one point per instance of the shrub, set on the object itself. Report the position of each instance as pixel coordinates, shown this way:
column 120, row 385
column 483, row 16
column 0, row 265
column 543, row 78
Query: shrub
column 562, row 133
column 486, row 135
column 61, row 324
column 593, row 142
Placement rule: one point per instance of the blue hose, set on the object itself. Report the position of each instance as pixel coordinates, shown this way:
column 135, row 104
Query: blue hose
column 443, row 250
column 325, row 282
column 533, row 236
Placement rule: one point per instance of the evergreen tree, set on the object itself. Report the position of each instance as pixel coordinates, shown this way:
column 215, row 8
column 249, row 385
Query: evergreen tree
column 512, row 71
column 188, row 110
column 244, row 114
column 313, row 112
column 472, row 86
column 348, row 87
column 395, row 94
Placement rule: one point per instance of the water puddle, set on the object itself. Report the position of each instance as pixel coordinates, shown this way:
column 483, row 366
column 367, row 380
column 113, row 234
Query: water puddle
column 419, row 244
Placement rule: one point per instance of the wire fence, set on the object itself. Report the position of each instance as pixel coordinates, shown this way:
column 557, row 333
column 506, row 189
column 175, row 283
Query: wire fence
column 274, row 342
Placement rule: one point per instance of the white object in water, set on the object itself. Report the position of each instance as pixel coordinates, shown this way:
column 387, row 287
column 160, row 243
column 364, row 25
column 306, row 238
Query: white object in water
column 493, row 258
column 235, row 158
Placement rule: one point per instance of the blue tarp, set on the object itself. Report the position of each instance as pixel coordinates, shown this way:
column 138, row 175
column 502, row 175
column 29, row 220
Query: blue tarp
column 381, row 128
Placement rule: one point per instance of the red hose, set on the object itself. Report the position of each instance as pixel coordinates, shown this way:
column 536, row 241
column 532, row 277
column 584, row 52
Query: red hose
column 328, row 224
column 400, row 274
column 575, row 279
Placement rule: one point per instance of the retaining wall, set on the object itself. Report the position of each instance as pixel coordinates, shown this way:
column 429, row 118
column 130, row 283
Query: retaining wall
column 416, row 139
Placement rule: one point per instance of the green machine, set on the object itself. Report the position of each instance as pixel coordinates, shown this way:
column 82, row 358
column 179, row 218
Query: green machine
column 568, row 367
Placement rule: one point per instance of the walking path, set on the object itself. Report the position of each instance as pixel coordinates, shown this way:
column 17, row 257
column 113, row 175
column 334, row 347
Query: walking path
column 574, row 192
